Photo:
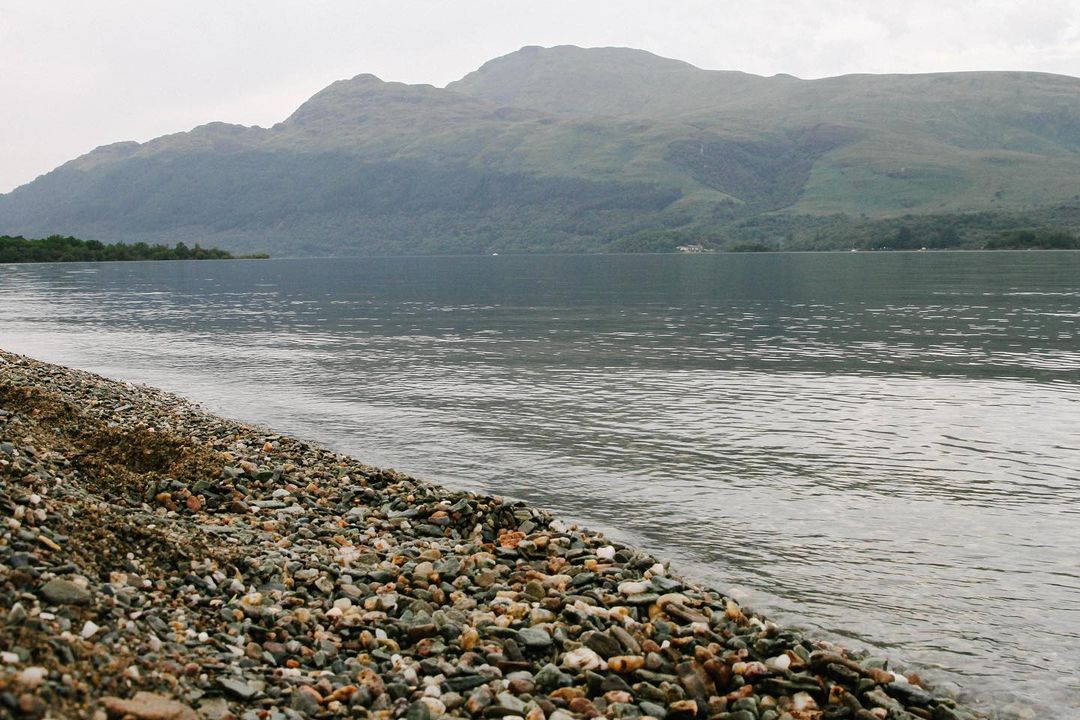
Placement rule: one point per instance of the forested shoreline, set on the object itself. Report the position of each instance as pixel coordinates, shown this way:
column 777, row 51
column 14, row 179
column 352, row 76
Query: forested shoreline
column 60, row 248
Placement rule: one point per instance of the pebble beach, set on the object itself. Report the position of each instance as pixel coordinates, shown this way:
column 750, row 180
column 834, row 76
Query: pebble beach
column 160, row 562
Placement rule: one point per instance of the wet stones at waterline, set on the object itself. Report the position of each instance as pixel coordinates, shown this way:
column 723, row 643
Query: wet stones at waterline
column 160, row 562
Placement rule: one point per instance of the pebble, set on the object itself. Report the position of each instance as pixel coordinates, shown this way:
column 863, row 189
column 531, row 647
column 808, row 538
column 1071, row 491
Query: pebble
column 31, row 677
column 535, row 638
column 626, row 664
column 237, row 688
column 582, row 658
column 65, row 592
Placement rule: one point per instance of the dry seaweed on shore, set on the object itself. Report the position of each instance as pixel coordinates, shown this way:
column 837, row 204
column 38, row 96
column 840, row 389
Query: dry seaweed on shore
column 160, row 562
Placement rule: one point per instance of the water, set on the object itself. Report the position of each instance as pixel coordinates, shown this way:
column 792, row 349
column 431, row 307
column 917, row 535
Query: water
column 884, row 448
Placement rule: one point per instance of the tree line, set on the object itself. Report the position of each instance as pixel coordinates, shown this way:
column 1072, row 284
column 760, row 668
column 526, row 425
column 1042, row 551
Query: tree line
column 60, row 248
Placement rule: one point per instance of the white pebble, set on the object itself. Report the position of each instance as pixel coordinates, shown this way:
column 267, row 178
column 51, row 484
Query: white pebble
column 88, row 629
column 631, row 587
column 802, row 701
column 31, row 677
column 8, row 658
column 780, row 662
column 582, row 658
column 605, row 553
column 434, row 705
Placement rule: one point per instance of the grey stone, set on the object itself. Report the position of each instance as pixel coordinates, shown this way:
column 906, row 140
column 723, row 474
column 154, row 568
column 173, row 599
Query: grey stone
column 535, row 638
column 909, row 694
column 654, row 710
column 603, row 644
column 304, row 703
column 237, row 688
column 461, row 683
column 418, row 711
column 878, row 698
column 511, row 703
column 550, row 677
column 65, row 592
column 17, row 614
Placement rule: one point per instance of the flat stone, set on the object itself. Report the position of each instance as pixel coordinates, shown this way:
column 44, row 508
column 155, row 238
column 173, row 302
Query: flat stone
column 550, row 677
column 605, row 645
column 626, row 640
column 65, row 592
column 535, row 638
column 878, row 698
column 511, row 703
column 663, row 584
column 909, row 694
column 653, row 709
column 237, row 688
column 214, row 708
column 462, row 683
column 148, row 706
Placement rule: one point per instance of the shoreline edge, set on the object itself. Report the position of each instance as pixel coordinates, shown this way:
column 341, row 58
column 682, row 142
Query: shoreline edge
column 157, row 561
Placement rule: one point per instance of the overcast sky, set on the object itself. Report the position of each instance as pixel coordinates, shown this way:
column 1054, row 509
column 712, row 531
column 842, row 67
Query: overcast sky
column 77, row 74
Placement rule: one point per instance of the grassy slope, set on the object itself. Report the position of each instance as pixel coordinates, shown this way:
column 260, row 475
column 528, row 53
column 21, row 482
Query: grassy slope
column 926, row 143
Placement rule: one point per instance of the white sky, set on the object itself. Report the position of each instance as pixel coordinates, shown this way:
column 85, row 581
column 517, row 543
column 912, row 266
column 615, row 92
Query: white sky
column 77, row 74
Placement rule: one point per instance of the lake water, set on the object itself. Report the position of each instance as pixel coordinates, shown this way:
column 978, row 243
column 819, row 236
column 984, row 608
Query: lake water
column 883, row 448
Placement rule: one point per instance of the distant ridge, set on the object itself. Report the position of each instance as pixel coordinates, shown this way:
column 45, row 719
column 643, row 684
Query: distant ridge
column 574, row 149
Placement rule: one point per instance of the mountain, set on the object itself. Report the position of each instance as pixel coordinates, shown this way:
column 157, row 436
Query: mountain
column 571, row 149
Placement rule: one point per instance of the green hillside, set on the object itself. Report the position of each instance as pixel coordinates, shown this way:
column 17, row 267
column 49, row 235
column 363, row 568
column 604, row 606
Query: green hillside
column 570, row 149
column 928, row 143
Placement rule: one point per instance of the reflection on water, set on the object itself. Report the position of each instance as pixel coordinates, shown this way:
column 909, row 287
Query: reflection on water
column 883, row 447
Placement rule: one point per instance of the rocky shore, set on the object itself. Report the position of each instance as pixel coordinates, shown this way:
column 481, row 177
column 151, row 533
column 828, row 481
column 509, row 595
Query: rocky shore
column 158, row 562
